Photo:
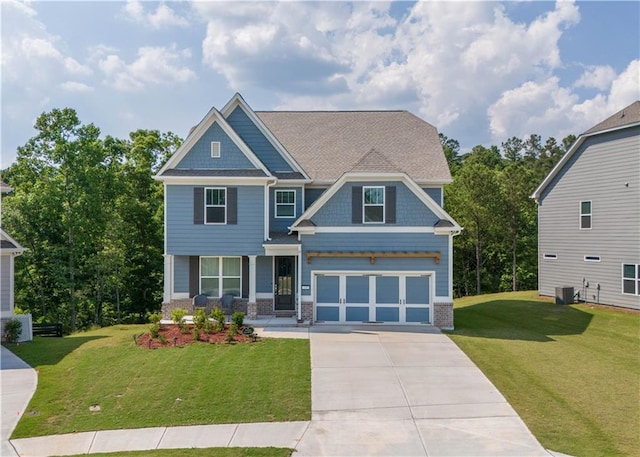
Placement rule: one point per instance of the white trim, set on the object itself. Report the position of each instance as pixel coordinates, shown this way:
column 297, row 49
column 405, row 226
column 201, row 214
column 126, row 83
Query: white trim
column 215, row 206
column 252, row 278
column 635, row 279
column 324, row 183
column 372, row 177
column 180, row 296
column 264, row 295
column 237, row 100
column 592, row 258
column 267, row 215
column 299, row 283
column 590, row 214
column 168, row 278
column 214, row 180
column 572, row 150
column 275, row 203
column 384, row 204
column 281, row 249
column 18, row 247
column 215, row 150
column 550, row 256
column 212, row 117
column 368, row 229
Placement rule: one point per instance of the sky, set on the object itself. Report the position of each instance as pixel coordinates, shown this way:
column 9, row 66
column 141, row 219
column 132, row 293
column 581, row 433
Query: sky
column 480, row 71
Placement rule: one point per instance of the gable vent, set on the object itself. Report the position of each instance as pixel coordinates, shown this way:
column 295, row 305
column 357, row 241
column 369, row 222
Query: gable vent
column 215, row 149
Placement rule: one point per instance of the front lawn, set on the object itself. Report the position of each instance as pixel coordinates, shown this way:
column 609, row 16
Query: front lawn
column 204, row 452
column 571, row 372
column 133, row 386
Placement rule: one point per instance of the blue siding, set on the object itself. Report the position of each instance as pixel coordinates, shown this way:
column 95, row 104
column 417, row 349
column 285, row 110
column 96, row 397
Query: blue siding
column 282, row 224
column 264, row 274
column 311, row 195
column 435, row 193
column 186, row 238
column 258, row 143
column 231, row 157
column 378, row 242
column 410, row 211
column 181, row 274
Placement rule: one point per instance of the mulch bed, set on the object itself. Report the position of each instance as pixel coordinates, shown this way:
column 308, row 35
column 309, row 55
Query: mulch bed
column 173, row 336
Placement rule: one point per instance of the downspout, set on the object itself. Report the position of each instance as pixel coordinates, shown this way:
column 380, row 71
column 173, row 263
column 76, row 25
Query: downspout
column 266, row 208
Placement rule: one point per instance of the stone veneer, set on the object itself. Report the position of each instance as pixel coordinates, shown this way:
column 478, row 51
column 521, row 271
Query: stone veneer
column 307, row 311
column 443, row 315
column 239, row 304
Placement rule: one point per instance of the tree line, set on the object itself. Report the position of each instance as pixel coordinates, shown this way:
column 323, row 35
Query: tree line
column 91, row 217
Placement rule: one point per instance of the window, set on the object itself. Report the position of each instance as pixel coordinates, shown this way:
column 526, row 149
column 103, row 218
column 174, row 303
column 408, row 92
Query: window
column 286, row 203
column 373, row 204
column 220, row 276
column 215, row 206
column 631, row 279
column 215, row 149
column 585, row 214
column 550, row 256
column 592, row 258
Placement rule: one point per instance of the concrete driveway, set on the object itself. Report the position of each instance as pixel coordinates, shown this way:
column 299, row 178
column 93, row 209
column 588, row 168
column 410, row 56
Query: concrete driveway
column 405, row 391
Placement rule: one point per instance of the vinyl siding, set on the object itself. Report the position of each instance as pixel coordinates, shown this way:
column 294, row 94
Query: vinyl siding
column 231, row 157
column 358, row 242
column 311, row 195
column 281, row 224
column 186, row 238
column 5, row 283
column 410, row 211
column 598, row 172
column 258, row 143
column 264, row 274
column 435, row 193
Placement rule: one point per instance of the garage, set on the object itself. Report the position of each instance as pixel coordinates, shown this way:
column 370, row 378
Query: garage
column 354, row 297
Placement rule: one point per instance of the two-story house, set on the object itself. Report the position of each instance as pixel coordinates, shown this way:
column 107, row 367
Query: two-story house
column 327, row 216
column 589, row 215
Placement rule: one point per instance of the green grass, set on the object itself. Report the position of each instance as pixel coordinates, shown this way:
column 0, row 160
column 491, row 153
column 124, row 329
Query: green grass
column 206, row 452
column 571, row 372
column 266, row 381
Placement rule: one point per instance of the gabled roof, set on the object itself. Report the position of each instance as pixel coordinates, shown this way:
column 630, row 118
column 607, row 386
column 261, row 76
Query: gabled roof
column 304, row 221
column 213, row 116
column 328, row 144
column 8, row 244
column 374, row 162
column 625, row 118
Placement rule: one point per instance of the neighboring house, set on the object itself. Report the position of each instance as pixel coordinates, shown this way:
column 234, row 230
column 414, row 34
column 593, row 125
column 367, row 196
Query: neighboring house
column 589, row 215
column 9, row 249
column 326, row 216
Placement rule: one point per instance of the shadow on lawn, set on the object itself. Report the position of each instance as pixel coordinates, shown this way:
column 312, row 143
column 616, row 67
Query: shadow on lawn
column 519, row 320
column 49, row 351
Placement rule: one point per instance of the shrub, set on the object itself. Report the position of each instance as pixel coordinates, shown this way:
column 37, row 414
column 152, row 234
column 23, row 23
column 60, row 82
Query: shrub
column 154, row 330
column 155, row 318
column 238, row 318
column 218, row 315
column 207, row 327
column 199, row 318
column 196, row 334
column 184, row 329
column 177, row 314
column 162, row 339
column 232, row 332
column 12, row 330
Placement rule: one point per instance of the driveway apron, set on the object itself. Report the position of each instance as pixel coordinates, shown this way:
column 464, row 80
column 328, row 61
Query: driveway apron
column 405, row 391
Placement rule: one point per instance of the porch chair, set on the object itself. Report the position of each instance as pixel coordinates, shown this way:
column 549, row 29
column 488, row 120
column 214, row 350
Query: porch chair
column 226, row 304
column 199, row 301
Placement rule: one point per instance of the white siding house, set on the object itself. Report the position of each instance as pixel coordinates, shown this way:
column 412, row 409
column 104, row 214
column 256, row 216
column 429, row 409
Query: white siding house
column 589, row 215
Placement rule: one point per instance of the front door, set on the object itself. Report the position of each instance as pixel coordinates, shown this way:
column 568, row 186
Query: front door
column 285, row 283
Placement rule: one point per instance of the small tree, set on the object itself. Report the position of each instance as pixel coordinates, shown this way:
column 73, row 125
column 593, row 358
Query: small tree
column 12, row 330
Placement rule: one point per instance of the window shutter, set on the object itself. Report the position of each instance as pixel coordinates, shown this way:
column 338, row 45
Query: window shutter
column 232, row 205
column 198, row 205
column 245, row 277
column 356, row 204
column 390, row 204
column 194, row 275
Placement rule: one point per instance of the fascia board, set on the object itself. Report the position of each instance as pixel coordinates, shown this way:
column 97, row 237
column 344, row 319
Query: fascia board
column 199, row 180
column 237, row 100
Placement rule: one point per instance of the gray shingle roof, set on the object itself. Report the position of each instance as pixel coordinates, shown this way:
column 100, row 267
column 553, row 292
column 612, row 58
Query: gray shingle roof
column 329, row 143
column 283, row 175
column 375, row 161
column 626, row 116
column 205, row 172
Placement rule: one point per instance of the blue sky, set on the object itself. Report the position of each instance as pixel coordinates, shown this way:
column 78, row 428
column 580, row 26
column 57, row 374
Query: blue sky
column 479, row 71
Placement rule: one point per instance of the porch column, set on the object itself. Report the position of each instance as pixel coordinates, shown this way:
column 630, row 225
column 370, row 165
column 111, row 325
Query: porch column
column 168, row 278
column 252, row 307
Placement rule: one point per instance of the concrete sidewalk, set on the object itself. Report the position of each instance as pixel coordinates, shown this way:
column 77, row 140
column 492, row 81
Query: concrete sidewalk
column 376, row 391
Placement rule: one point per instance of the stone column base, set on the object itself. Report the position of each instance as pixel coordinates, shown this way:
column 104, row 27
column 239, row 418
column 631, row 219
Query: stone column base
column 307, row 311
column 252, row 311
column 443, row 315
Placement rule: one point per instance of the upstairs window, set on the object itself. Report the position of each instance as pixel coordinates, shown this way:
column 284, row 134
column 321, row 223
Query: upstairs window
column 585, row 214
column 631, row 279
column 285, row 203
column 373, row 204
column 215, row 206
column 215, row 149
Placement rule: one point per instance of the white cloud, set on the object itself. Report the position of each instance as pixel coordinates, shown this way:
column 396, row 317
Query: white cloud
column 163, row 16
column 153, row 65
column 597, row 77
column 75, row 86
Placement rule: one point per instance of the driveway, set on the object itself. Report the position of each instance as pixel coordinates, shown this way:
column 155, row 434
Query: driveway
column 405, row 391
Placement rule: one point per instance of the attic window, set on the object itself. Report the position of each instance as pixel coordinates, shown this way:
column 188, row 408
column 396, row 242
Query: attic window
column 215, row 149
